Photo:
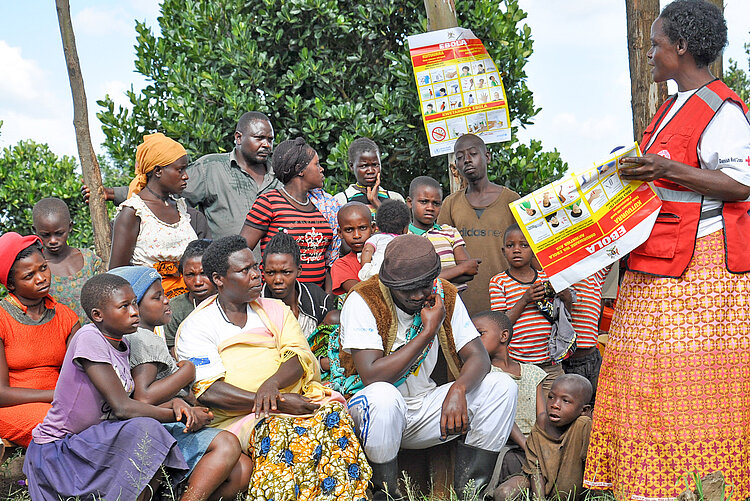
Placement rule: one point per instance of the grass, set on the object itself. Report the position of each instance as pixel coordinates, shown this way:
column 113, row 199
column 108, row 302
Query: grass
column 11, row 490
column 413, row 495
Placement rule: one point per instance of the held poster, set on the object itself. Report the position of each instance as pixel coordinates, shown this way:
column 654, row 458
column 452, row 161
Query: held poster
column 460, row 89
column 585, row 221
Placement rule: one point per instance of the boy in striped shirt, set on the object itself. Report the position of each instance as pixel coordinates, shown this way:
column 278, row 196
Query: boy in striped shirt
column 587, row 360
column 425, row 199
column 515, row 291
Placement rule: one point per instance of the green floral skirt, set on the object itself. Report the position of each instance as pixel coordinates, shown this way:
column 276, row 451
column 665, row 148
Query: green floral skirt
column 309, row 458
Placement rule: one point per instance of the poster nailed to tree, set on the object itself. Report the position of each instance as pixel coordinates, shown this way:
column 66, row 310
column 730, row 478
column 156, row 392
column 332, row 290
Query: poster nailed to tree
column 460, row 89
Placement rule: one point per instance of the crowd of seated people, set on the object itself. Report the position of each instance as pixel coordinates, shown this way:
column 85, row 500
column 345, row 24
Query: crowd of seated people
column 246, row 374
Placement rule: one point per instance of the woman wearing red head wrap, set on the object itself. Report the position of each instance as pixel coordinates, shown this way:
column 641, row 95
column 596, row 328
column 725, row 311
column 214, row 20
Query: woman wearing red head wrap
column 152, row 227
column 34, row 330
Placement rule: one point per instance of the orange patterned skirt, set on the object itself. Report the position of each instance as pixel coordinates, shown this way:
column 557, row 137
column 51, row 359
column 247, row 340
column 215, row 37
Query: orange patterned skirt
column 674, row 388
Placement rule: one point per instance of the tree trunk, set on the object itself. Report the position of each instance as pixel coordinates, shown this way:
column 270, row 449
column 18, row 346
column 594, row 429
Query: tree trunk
column 646, row 95
column 717, row 67
column 92, row 176
column 441, row 14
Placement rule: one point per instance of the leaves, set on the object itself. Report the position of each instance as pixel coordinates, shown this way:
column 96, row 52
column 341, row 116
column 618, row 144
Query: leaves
column 737, row 78
column 30, row 172
column 327, row 70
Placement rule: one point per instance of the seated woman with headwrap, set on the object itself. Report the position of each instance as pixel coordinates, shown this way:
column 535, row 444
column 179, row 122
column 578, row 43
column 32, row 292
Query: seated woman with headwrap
column 153, row 227
column 256, row 372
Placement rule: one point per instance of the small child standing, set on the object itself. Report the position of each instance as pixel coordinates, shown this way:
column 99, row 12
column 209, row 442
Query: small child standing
column 95, row 440
column 496, row 332
column 211, row 454
column 355, row 227
column 425, row 199
column 197, row 283
column 392, row 220
column 515, row 291
column 70, row 267
column 557, row 446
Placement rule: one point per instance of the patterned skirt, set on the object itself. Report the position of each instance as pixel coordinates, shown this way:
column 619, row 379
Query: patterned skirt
column 674, row 389
column 309, row 458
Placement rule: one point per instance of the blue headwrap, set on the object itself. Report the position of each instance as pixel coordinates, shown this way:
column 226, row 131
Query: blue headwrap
column 140, row 278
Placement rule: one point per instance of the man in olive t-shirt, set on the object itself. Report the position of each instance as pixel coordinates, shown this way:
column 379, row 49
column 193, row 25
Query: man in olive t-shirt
column 481, row 214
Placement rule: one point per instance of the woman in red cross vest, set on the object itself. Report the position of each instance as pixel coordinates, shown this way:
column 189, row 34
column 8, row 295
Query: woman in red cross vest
column 674, row 389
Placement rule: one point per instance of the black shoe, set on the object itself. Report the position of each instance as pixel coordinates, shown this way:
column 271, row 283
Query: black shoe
column 385, row 477
column 472, row 471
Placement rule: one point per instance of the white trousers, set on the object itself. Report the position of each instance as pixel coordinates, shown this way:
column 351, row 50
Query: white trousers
column 385, row 424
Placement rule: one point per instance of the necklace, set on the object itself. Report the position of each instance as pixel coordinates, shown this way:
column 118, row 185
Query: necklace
column 303, row 204
column 111, row 338
column 163, row 199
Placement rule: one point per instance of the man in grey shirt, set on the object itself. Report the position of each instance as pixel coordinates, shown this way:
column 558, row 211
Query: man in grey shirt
column 224, row 186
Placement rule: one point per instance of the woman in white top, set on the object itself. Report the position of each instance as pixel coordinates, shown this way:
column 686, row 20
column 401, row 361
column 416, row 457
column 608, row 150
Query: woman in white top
column 152, row 227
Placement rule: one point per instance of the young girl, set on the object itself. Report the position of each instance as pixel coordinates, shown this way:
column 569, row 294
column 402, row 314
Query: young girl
column 96, row 442
column 281, row 268
column 197, row 283
column 364, row 161
column 211, row 454
column 70, row 267
column 496, row 332
column 34, row 330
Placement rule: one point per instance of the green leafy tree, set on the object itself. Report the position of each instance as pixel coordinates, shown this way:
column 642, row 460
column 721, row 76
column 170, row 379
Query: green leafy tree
column 324, row 69
column 30, row 172
column 737, row 78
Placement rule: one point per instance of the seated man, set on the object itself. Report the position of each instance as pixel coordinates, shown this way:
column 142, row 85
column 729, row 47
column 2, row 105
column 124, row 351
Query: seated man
column 392, row 325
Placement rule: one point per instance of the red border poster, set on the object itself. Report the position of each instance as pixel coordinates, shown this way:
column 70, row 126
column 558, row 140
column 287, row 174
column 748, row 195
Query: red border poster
column 460, row 89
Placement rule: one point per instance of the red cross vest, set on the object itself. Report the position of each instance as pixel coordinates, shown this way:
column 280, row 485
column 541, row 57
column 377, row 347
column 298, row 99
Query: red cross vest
column 670, row 247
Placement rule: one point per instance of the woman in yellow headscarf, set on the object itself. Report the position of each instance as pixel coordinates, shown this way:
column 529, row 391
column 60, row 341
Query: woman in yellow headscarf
column 152, row 227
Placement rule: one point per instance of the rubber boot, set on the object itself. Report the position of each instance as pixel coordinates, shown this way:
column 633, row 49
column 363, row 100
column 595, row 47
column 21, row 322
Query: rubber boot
column 385, row 477
column 472, row 471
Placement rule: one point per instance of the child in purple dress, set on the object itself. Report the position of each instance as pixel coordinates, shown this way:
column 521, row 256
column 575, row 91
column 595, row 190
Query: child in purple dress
column 96, row 442
column 218, row 469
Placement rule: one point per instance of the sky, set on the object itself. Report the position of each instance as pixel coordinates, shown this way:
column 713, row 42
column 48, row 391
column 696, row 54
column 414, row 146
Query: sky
column 578, row 72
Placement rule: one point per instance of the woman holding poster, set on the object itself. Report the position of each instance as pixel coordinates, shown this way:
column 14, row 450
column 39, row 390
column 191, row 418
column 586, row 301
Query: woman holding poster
column 674, row 390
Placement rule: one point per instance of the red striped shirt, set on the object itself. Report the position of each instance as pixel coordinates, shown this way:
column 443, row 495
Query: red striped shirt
column 587, row 308
column 273, row 213
column 531, row 331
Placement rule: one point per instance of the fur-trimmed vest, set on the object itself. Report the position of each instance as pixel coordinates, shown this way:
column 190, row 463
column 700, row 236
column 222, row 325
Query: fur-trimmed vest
column 378, row 298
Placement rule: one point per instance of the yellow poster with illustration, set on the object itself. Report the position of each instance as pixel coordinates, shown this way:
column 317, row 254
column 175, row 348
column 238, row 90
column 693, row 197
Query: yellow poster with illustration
column 587, row 220
column 460, row 89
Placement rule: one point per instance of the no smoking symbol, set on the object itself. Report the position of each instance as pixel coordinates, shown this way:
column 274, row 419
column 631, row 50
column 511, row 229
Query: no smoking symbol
column 438, row 133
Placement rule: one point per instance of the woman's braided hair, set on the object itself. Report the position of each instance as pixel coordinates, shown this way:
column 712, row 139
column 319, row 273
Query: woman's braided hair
column 290, row 158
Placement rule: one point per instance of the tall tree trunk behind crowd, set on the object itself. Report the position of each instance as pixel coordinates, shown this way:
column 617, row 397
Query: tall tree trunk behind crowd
column 92, row 176
column 441, row 14
column 646, row 95
column 717, row 67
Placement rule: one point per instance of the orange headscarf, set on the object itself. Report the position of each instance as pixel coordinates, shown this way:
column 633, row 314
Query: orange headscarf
column 156, row 150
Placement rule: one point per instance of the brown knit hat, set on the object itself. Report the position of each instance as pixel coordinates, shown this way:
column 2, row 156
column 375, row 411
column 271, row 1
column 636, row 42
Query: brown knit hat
column 410, row 262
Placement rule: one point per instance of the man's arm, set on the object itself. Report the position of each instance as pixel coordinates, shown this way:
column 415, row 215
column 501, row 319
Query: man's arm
column 372, row 366
column 455, row 414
